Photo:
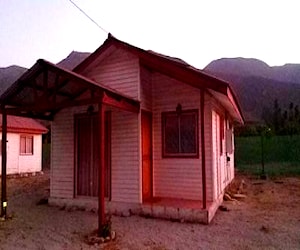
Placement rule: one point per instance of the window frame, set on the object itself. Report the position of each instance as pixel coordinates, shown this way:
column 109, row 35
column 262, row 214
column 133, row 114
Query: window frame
column 164, row 115
column 27, row 137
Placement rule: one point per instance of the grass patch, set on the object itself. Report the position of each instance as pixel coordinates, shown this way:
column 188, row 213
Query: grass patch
column 281, row 155
column 272, row 169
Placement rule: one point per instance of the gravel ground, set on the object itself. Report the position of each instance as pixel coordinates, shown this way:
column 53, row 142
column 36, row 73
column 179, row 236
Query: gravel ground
column 268, row 218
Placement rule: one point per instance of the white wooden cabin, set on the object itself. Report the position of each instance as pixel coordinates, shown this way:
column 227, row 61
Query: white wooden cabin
column 24, row 145
column 161, row 129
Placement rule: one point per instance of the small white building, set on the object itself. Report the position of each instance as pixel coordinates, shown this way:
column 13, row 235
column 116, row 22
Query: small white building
column 145, row 133
column 24, row 145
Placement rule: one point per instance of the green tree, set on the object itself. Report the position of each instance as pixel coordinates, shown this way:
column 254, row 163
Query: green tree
column 276, row 123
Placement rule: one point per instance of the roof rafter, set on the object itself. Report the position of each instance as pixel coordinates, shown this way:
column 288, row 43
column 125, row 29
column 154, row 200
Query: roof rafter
column 58, row 89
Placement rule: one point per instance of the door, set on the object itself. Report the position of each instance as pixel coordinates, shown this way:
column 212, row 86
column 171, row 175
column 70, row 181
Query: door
column 87, row 154
column 147, row 155
column 216, row 153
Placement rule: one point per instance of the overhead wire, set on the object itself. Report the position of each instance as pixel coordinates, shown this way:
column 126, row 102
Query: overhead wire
column 83, row 12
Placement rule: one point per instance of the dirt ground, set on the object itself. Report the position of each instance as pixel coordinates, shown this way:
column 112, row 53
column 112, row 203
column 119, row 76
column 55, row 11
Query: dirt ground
column 268, row 218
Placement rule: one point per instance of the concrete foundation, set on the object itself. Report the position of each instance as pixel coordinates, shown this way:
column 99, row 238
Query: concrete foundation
column 163, row 208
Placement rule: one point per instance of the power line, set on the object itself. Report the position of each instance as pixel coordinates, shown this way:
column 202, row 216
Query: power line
column 82, row 11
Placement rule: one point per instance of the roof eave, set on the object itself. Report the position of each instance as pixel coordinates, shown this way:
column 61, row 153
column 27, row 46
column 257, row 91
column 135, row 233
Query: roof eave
column 172, row 68
column 41, row 111
column 234, row 102
column 229, row 104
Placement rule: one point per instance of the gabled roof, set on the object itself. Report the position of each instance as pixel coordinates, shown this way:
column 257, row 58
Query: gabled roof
column 23, row 125
column 46, row 88
column 175, row 68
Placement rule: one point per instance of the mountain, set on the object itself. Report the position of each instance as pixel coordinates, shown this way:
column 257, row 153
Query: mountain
column 73, row 59
column 257, row 85
column 253, row 67
column 240, row 66
column 9, row 75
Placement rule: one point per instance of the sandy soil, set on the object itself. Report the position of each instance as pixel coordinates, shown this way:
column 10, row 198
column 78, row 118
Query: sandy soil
column 269, row 218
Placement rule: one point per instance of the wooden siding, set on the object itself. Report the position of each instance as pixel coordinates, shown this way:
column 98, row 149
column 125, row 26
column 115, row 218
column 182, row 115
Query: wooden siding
column 146, row 89
column 62, row 153
column 208, row 147
column 125, row 160
column 119, row 71
column 230, row 163
column 125, row 157
column 174, row 177
column 216, row 155
column 223, row 171
column 32, row 163
column 17, row 163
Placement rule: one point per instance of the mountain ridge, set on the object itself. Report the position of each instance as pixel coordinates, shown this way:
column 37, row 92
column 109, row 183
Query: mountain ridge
column 255, row 83
column 289, row 72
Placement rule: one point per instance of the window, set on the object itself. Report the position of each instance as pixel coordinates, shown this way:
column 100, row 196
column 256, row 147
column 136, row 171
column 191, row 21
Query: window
column 26, row 145
column 180, row 134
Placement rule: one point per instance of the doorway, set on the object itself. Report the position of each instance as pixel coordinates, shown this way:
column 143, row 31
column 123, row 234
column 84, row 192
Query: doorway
column 147, row 156
column 87, row 147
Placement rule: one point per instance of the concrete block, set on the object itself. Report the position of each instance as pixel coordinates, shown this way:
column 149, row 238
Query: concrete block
column 159, row 211
column 193, row 215
column 172, row 213
column 147, row 210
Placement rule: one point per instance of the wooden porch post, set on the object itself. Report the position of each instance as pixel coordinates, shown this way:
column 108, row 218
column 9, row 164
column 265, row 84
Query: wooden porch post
column 101, row 205
column 203, row 151
column 4, row 157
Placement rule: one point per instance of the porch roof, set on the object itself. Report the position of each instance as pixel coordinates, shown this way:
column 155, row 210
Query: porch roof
column 175, row 68
column 47, row 88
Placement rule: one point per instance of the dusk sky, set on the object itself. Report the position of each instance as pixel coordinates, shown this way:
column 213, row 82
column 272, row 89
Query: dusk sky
column 195, row 31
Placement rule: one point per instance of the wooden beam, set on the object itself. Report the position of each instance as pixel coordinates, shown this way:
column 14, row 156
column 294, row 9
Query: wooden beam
column 52, row 107
column 121, row 104
column 50, row 91
column 101, row 205
column 4, row 162
column 56, row 86
column 42, row 116
column 86, row 82
column 47, row 105
column 45, row 79
column 21, row 83
column 202, row 122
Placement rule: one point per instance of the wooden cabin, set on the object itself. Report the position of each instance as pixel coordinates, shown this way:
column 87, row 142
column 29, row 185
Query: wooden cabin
column 24, row 145
column 160, row 130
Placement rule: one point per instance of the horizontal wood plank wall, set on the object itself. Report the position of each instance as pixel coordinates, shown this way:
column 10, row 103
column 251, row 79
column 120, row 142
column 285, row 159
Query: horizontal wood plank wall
column 31, row 163
column 146, row 89
column 125, row 157
column 119, row 71
column 226, row 169
column 62, row 153
column 174, row 177
column 208, row 147
column 17, row 163
column 13, row 149
column 230, row 164
column 215, row 176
